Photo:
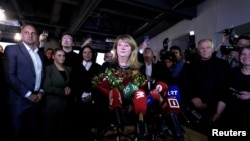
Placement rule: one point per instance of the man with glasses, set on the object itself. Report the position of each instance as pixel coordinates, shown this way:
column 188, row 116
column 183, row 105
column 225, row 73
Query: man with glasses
column 67, row 43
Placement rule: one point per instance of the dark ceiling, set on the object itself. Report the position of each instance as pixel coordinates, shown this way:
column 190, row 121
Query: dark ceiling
column 99, row 19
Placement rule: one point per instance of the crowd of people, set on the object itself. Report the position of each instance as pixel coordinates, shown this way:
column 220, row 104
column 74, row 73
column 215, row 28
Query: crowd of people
column 48, row 94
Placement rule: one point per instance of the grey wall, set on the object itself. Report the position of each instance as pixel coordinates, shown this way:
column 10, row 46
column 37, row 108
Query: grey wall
column 213, row 16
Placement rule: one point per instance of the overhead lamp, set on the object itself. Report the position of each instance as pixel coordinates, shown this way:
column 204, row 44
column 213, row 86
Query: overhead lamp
column 17, row 37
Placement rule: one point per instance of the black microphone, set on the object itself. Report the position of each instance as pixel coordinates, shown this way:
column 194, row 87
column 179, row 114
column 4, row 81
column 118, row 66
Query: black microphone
column 172, row 109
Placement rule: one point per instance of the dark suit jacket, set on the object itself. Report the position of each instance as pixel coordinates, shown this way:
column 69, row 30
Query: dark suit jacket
column 20, row 73
column 54, row 84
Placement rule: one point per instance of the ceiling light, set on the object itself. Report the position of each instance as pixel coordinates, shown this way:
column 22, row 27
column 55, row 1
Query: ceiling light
column 17, row 37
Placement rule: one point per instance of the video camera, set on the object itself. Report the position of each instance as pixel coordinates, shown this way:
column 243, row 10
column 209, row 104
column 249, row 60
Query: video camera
column 227, row 49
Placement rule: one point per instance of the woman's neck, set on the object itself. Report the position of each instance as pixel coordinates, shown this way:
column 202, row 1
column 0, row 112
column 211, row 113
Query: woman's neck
column 123, row 62
column 59, row 66
column 245, row 70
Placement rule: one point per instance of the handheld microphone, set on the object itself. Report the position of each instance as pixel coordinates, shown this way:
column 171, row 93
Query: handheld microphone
column 150, row 100
column 173, row 91
column 115, row 104
column 161, row 87
column 140, row 108
column 115, row 99
column 171, row 105
column 129, row 90
column 172, row 108
column 156, row 96
column 103, row 90
column 140, row 103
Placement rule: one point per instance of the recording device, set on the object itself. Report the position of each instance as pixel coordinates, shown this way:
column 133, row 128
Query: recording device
column 227, row 49
column 230, row 32
column 146, row 38
column 165, row 43
column 165, row 54
column 234, row 91
column 45, row 33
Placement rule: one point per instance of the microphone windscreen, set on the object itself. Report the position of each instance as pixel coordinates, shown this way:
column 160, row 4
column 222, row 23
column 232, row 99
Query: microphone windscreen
column 140, row 102
column 156, row 96
column 171, row 105
column 173, row 91
column 129, row 90
column 161, row 87
column 115, row 99
column 150, row 100
column 103, row 90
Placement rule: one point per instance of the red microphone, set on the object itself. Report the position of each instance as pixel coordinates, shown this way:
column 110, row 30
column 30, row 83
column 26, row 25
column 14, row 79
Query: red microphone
column 161, row 87
column 171, row 105
column 115, row 99
column 140, row 103
column 156, row 95
column 171, row 108
column 140, row 108
column 115, row 104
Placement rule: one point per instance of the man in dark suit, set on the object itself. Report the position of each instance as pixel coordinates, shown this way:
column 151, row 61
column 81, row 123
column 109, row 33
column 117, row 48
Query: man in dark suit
column 24, row 71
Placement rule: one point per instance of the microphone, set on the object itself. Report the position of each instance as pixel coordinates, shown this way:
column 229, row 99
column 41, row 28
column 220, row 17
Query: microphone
column 161, row 87
column 172, row 108
column 140, row 103
column 129, row 90
column 171, row 105
column 140, row 108
column 156, row 96
column 173, row 91
column 115, row 103
column 103, row 90
column 150, row 100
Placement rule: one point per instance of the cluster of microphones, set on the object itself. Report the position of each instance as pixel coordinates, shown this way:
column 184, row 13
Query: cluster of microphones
column 167, row 96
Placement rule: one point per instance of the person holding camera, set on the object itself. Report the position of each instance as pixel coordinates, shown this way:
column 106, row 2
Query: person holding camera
column 231, row 52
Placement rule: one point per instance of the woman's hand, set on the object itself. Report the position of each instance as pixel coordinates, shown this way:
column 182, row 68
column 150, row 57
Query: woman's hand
column 67, row 90
column 244, row 95
column 197, row 102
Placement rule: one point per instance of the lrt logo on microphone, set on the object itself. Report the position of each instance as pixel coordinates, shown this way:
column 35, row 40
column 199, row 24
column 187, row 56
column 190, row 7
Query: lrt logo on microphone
column 173, row 103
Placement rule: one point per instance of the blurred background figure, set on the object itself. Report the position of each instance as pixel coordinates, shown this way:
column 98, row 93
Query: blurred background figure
column 108, row 56
column 48, row 59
